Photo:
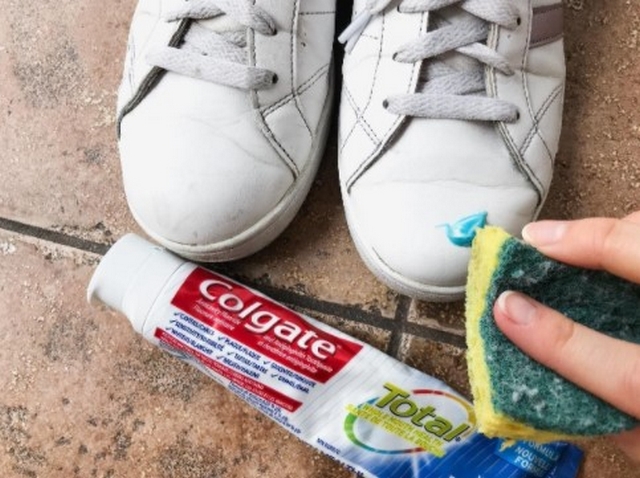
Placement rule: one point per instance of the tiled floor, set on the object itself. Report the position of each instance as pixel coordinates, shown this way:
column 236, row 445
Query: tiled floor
column 82, row 396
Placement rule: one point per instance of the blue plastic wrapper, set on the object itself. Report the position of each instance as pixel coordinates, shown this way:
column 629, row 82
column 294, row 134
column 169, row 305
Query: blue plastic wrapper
column 482, row 457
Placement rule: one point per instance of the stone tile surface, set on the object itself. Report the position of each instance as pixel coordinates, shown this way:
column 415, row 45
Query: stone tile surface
column 447, row 316
column 598, row 166
column 59, row 68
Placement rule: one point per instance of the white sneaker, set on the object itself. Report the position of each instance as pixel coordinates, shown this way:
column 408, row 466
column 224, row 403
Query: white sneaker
column 223, row 114
column 450, row 116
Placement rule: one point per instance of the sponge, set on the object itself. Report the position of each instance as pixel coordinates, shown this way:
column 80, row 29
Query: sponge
column 515, row 397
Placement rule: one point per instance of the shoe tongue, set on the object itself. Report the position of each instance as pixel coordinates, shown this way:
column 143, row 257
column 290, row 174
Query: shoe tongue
column 221, row 24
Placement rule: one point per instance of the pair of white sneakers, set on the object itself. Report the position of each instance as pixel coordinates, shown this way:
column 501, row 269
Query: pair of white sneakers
column 450, row 118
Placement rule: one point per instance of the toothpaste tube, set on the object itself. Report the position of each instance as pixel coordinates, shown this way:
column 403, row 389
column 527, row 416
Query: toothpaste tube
column 377, row 416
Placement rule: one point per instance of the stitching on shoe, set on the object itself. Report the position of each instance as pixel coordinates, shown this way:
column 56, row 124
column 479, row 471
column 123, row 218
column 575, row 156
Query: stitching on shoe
column 525, row 83
column 536, row 124
column 520, row 164
column 271, row 137
column 269, row 133
column 312, row 80
column 516, row 158
column 400, row 119
column 544, row 142
column 373, row 85
column 296, row 8
column 527, row 94
column 367, row 163
column 363, row 122
column 317, row 75
column 541, row 112
column 510, row 143
column 327, row 12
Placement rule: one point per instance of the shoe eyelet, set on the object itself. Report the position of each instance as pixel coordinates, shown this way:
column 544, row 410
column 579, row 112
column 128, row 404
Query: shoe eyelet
column 517, row 116
column 274, row 79
column 519, row 21
column 394, row 57
column 385, row 104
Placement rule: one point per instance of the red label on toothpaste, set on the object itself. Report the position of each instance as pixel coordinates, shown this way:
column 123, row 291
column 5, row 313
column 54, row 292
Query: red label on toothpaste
column 263, row 325
column 246, row 383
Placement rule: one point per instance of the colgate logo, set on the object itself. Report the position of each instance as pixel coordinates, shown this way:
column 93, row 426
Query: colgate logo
column 261, row 321
column 264, row 326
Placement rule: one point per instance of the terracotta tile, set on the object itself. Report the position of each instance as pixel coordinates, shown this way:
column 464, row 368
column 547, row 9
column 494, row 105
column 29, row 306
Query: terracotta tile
column 83, row 395
column 59, row 69
column 598, row 167
column 603, row 460
column 448, row 316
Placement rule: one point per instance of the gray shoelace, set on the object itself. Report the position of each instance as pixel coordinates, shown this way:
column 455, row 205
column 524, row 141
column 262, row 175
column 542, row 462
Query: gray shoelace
column 218, row 57
column 448, row 92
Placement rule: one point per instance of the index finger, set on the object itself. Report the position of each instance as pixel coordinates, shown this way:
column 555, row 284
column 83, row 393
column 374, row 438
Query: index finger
column 605, row 366
column 598, row 243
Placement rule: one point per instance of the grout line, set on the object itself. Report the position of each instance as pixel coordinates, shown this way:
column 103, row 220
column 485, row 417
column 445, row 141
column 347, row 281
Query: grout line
column 53, row 236
column 436, row 335
column 402, row 314
column 352, row 313
column 398, row 326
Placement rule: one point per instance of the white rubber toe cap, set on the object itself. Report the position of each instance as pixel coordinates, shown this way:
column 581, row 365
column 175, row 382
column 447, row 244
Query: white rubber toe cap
column 402, row 230
column 437, row 174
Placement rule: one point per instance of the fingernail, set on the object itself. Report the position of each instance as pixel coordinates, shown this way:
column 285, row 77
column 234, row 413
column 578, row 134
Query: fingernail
column 518, row 308
column 544, row 233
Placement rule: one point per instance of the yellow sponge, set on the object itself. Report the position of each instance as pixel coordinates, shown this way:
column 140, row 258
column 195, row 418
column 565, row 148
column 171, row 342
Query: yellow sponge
column 515, row 397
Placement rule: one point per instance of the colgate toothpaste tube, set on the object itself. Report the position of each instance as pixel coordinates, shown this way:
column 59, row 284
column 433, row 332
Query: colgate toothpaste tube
column 376, row 415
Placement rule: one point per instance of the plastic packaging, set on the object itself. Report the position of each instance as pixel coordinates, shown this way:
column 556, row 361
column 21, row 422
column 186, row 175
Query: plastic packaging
column 377, row 416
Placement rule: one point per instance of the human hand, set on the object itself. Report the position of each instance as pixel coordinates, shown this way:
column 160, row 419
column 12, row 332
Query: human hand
column 607, row 367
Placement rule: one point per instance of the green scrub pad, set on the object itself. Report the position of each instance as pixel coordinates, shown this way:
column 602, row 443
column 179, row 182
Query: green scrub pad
column 515, row 397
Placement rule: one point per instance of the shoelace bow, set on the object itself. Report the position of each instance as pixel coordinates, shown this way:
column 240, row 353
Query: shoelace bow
column 218, row 57
column 447, row 92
